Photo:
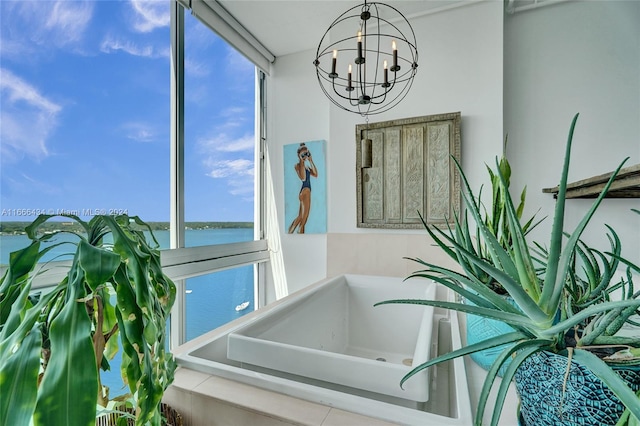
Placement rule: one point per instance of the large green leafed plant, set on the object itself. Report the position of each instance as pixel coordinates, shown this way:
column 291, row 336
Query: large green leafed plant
column 551, row 305
column 52, row 346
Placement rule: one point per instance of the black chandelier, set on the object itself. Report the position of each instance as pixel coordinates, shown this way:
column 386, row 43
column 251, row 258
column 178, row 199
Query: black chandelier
column 370, row 67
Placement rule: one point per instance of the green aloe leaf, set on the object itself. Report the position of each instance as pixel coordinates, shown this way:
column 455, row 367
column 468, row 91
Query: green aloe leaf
column 627, row 419
column 492, row 373
column 507, row 281
column 557, row 229
column 466, row 350
column 497, row 253
column 561, row 258
column 457, row 282
column 526, row 272
column 460, row 236
column 577, row 318
column 627, row 262
column 508, row 376
column 510, row 318
column 462, row 291
column 515, row 290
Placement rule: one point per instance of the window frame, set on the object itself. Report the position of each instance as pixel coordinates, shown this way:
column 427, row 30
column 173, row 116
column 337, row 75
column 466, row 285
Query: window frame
column 179, row 262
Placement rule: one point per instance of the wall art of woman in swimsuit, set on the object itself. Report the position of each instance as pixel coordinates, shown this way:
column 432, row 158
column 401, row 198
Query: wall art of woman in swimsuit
column 305, row 168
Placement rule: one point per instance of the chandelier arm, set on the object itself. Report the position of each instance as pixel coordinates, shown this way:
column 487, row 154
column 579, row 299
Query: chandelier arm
column 383, row 95
column 340, row 95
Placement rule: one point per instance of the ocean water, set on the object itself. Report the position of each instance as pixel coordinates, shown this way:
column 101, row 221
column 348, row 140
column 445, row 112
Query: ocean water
column 211, row 299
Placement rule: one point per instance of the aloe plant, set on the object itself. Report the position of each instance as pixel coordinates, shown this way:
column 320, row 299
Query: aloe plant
column 495, row 221
column 542, row 318
column 495, row 218
column 114, row 297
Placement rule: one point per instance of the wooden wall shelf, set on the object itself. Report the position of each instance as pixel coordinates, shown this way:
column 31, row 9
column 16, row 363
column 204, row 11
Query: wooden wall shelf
column 626, row 185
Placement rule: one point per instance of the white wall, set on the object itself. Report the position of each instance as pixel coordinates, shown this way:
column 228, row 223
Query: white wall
column 297, row 112
column 559, row 60
column 460, row 69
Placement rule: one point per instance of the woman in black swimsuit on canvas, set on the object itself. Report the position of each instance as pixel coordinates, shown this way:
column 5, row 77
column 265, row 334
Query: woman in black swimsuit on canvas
column 305, row 168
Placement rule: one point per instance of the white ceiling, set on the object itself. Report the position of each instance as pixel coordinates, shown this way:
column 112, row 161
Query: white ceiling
column 290, row 26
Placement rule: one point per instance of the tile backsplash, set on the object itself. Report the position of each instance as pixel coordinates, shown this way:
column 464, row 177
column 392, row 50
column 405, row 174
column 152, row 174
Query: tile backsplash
column 381, row 254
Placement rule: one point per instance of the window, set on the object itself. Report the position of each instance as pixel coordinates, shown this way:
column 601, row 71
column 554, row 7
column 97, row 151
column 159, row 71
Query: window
column 217, row 298
column 219, row 141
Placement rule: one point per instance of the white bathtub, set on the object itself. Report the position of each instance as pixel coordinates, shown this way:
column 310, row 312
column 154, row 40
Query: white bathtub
column 337, row 335
column 322, row 344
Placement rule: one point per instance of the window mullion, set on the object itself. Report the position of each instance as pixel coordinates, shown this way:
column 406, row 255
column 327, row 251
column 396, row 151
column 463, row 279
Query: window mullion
column 179, row 314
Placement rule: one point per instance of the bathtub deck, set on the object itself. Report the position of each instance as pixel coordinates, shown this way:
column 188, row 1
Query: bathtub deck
column 206, row 400
column 209, row 400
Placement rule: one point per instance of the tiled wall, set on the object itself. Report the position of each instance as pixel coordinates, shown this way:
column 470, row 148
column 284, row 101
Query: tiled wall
column 381, row 254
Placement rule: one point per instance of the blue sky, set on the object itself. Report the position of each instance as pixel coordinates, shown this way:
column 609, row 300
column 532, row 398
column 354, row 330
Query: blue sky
column 84, row 113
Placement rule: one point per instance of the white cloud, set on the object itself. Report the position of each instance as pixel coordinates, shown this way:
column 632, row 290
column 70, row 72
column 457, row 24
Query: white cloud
column 31, row 29
column 150, row 14
column 21, row 183
column 231, row 160
column 196, row 68
column 27, row 117
column 234, row 111
column 242, row 187
column 19, row 90
column 238, row 174
column 140, row 132
column 67, row 21
column 226, row 168
column 245, row 143
column 223, row 143
column 234, row 117
column 15, row 49
column 110, row 44
column 56, row 23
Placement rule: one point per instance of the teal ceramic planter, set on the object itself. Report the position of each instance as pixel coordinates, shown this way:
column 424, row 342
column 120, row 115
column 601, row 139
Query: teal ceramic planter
column 481, row 328
column 584, row 400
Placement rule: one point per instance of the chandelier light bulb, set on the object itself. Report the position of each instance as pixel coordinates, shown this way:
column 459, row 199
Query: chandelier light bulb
column 395, row 66
column 333, row 64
